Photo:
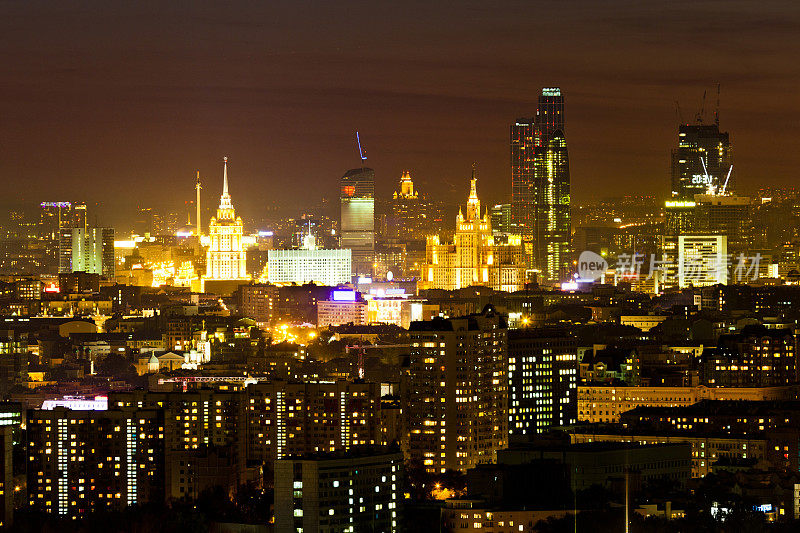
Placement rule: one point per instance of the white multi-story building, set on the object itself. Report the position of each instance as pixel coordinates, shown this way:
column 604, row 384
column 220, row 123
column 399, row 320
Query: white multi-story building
column 309, row 264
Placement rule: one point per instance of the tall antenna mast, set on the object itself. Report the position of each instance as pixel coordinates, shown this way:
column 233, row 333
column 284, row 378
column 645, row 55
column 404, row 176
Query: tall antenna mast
column 197, row 187
column 716, row 111
column 361, row 152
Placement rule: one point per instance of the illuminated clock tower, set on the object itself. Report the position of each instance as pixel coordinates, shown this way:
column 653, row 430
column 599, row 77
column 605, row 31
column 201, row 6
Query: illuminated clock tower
column 226, row 257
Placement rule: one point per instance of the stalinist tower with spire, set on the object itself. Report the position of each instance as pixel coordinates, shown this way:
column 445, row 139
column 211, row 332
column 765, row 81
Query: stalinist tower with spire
column 226, row 257
column 476, row 256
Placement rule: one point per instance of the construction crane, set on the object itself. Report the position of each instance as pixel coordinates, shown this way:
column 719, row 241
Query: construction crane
column 701, row 114
column 678, row 113
column 363, row 347
column 361, row 152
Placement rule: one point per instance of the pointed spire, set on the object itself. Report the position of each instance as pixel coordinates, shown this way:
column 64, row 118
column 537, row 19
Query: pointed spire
column 473, row 187
column 473, row 204
column 225, row 199
column 225, row 177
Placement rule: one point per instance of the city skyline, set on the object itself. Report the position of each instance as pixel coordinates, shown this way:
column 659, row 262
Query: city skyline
column 346, row 267
column 121, row 128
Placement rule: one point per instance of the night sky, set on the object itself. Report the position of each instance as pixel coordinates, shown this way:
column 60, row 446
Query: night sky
column 119, row 103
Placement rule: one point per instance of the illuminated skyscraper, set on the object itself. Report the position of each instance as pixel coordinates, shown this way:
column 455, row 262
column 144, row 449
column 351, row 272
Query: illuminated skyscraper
column 357, row 225
column 702, row 161
column 226, row 258
column 92, row 251
column 71, row 216
column 540, row 187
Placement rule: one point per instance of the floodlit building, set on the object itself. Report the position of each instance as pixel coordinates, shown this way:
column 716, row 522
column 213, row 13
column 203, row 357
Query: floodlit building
column 476, row 256
column 310, row 264
column 92, row 250
column 226, row 259
column 70, row 216
column 605, row 403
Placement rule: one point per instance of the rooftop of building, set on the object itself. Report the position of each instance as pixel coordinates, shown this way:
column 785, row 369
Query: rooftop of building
column 584, row 447
column 355, row 452
column 448, row 324
column 706, row 408
column 553, row 332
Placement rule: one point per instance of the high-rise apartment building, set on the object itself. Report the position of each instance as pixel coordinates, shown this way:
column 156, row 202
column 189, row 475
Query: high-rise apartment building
column 357, row 218
column 543, row 380
column 226, row 259
column 267, row 421
column 701, row 163
column 360, row 490
column 540, row 187
column 457, row 396
column 87, row 461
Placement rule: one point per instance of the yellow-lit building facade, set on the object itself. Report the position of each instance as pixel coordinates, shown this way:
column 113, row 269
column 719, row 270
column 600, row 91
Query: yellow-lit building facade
column 226, row 256
column 476, row 256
